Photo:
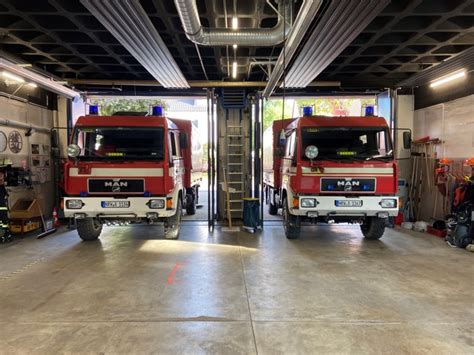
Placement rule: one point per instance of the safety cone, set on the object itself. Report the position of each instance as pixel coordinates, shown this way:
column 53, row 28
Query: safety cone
column 55, row 217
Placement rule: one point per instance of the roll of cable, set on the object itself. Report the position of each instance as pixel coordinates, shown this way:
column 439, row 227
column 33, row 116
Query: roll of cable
column 420, row 226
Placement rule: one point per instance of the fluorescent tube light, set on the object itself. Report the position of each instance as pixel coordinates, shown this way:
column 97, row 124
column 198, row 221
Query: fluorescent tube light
column 13, row 70
column 32, row 85
column 130, row 24
column 234, row 70
column 234, row 46
column 235, row 23
column 448, row 78
column 13, row 77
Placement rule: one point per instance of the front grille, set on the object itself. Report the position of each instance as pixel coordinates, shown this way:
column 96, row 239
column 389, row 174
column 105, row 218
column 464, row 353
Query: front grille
column 347, row 185
column 116, row 186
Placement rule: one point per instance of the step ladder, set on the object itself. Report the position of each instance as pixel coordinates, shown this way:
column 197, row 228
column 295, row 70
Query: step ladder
column 234, row 167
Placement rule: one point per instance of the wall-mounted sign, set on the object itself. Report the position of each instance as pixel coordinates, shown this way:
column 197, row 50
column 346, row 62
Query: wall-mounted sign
column 15, row 142
column 3, row 142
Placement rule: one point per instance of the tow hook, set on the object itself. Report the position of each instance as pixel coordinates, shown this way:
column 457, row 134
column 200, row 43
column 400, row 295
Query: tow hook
column 151, row 217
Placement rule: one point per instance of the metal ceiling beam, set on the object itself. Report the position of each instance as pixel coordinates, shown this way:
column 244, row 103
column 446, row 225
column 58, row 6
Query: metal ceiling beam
column 192, row 83
column 129, row 23
column 302, row 22
column 340, row 24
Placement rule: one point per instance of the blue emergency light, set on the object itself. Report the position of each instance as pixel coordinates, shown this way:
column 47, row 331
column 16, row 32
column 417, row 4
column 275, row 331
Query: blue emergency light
column 369, row 110
column 157, row 110
column 307, row 110
column 93, row 110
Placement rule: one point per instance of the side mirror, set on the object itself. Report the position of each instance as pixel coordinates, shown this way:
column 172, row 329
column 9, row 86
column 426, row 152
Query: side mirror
column 183, row 141
column 282, row 139
column 407, row 140
column 73, row 150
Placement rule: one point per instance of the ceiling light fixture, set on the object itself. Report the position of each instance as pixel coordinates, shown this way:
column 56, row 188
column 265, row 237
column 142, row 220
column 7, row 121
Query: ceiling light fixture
column 23, row 74
column 234, row 46
column 235, row 23
column 32, row 85
column 129, row 23
column 13, row 77
column 448, row 78
column 339, row 25
column 234, row 70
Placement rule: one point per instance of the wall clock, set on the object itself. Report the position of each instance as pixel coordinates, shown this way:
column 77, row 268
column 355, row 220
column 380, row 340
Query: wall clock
column 15, row 142
column 3, row 142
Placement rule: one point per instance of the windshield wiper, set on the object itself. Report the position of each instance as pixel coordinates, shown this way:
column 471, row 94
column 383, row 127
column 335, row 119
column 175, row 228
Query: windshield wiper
column 379, row 157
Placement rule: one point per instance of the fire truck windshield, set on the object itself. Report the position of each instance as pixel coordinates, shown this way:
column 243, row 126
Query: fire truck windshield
column 351, row 143
column 99, row 143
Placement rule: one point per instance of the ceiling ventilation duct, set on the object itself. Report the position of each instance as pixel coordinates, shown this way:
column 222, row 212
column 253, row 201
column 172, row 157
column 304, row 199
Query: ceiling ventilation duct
column 340, row 24
column 249, row 37
column 128, row 22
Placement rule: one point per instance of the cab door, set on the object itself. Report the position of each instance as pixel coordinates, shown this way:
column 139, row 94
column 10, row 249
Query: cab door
column 176, row 159
column 288, row 166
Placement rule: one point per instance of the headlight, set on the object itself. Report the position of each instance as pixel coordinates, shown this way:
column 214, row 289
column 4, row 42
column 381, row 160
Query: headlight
column 308, row 202
column 311, row 151
column 388, row 203
column 74, row 204
column 73, row 150
column 155, row 204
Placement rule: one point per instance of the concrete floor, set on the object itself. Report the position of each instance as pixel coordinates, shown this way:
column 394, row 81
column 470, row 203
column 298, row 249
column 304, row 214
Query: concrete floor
column 328, row 292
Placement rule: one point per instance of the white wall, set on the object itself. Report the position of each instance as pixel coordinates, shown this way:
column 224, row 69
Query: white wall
column 452, row 122
column 42, row 188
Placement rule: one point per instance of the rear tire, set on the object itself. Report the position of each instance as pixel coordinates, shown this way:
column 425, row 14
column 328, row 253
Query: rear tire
column 89, row 229
column 190, row 205
column 373, row 228
column 272, row 209
column 291, row 223
column 173, row 224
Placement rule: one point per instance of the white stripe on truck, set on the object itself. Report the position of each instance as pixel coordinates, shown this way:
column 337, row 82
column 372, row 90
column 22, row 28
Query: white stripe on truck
column 331, row 170
column 118, row 172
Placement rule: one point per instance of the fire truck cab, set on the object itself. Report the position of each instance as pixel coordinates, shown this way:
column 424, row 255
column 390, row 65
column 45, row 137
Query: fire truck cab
column 130, row 169
column 333, row 170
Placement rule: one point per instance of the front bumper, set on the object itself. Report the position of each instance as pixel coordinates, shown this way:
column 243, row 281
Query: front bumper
column 138, row 208
column 326, row 206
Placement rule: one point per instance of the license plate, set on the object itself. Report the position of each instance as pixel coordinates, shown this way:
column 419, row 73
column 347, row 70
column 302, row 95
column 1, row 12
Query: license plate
column 348, row 203
column 115, row 204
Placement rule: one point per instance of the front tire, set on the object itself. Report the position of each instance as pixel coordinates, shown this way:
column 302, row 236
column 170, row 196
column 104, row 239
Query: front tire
column 291, row 223
column 89, row 229
column 173, row 223
column 373, row 228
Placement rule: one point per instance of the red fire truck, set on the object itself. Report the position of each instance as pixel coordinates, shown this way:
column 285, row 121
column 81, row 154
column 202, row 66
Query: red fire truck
column 131, row 169
column 331, row 169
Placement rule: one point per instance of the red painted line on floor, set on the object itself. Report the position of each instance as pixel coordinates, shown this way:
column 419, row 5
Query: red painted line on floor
column 173, row 273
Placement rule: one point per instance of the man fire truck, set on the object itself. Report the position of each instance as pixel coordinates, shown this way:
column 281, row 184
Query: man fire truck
column 131, row 169
column 331, row 169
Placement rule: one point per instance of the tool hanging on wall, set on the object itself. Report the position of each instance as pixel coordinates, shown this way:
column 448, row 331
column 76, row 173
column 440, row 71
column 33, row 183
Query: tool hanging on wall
column 422, row 179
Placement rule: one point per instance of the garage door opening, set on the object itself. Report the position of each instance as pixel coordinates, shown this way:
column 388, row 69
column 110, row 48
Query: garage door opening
column 194, row 109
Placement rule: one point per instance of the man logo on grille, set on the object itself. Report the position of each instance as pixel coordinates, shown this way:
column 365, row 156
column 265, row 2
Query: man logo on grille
column 348, row 184
column 116, row 185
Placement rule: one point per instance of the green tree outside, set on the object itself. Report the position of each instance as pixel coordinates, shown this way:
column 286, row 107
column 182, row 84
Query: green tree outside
column 273, row 109
column 108, row 106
